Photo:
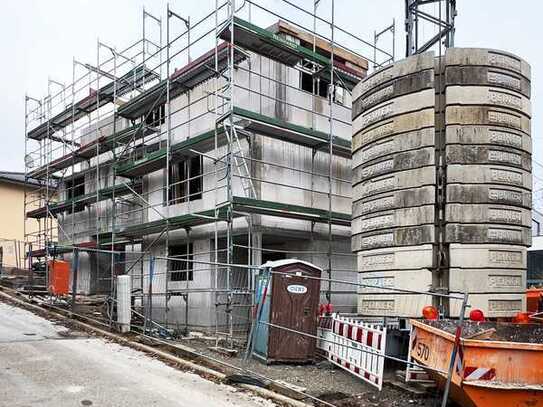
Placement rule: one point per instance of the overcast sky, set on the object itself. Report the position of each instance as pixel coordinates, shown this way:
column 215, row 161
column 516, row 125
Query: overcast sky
column 40, row 38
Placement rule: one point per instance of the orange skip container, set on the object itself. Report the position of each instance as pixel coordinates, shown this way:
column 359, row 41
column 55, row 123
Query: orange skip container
column 488, row 372
column 59, row 277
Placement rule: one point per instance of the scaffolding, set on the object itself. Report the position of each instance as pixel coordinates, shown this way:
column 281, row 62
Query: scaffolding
column 113, row 153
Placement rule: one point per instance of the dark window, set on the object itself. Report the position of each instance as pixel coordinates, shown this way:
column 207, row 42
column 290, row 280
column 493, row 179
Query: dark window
column 182, row 269
column 186, row 180
column 156, row 117
column 306, row 83
column 75, row 188
column 272, row 256
column 176, row 187
column 321, row 85
column 195, row 173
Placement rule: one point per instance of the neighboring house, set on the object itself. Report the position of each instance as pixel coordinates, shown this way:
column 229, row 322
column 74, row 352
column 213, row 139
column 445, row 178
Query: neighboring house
column 12, row 218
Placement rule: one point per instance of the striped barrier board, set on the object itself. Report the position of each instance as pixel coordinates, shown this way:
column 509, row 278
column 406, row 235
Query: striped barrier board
column 355, row 346
column 470, row 373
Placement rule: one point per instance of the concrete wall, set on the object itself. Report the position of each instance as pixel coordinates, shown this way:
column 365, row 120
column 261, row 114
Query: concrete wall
column 283, row 99
column 81, row 226
column 202, row 313
column 94, row 275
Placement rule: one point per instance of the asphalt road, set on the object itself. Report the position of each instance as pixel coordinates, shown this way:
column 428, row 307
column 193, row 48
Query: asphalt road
column 42, row 364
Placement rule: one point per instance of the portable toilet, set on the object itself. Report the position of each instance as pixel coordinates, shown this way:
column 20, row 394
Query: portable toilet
column 287, row 296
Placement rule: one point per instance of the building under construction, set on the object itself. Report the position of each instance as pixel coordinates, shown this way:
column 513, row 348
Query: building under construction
column 185, row 161
column 167, row 174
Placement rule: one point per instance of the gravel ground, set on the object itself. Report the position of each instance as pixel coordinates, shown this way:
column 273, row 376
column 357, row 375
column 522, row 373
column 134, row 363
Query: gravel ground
column 325, row 381
column 389, row 397
column 529, row 333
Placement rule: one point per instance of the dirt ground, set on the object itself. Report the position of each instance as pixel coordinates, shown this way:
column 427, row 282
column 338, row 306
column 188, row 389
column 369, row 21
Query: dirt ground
column 326, row 381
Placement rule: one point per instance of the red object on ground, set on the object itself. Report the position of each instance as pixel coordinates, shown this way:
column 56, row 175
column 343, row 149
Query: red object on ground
column 477, row 315
column 321, row 309
column 59, row 277
column 329, row 308
column 522, row 318
column 431, row 313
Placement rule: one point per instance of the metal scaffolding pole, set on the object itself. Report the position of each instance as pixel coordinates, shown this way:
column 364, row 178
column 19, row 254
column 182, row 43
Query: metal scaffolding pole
column 416, row 17
column 376, row 37
column 331, row 101
column 215, row 170
column 229, row 237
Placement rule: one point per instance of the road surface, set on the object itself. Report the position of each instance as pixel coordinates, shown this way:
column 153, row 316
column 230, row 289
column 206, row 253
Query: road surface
column 46, row 365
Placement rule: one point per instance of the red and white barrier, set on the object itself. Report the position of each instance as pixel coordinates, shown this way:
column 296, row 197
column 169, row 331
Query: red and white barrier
column 479, row 373
column 355, row 346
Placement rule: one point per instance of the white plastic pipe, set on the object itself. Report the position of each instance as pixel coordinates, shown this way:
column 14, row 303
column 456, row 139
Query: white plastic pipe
column 124, row 287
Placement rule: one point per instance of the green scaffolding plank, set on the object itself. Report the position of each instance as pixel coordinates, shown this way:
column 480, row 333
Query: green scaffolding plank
column 148, row 163
column 271, row 45
column 157, row 159
column 108, row 143
column 105, row 240
column 294, row 133
column 119, row 190
column 106, row 193
column 267, row 43
column 239, row 204
column 175, row 222
column 144, row 102
column 89, row 150
column 242, row 204
column 182, row 80
column 289, row 211
column 93, row 101
column 268, row 126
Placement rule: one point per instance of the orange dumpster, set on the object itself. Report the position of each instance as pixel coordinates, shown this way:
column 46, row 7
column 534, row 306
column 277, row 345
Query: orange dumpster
column 534, row 300
column 59, row 277
column 498, row 364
